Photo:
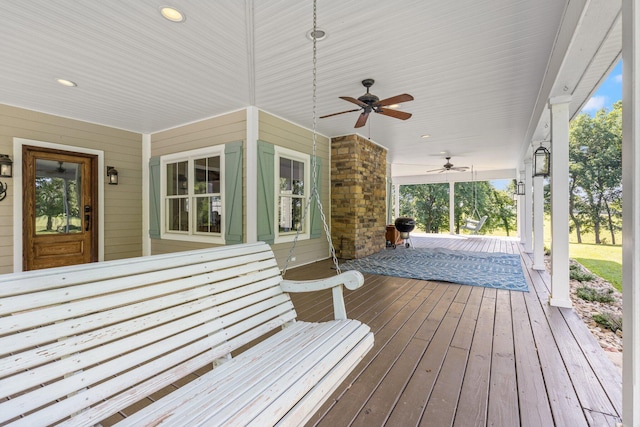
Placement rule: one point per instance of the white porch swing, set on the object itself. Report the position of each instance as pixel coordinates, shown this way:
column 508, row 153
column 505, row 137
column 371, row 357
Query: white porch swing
column 475, row 222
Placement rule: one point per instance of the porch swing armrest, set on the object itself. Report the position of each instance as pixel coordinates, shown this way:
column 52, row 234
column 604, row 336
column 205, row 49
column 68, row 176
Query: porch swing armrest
column 350, row 279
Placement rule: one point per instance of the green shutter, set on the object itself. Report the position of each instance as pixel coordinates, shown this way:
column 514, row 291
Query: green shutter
column 154, row 197
column 233, row 193
column 316, row 219
column 265, row 222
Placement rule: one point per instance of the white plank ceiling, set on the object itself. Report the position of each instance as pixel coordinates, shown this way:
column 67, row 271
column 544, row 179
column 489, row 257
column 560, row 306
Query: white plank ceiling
column 476, row 68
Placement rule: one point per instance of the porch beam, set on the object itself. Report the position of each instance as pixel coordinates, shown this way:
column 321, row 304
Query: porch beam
column 631, row 212
column 560, row 290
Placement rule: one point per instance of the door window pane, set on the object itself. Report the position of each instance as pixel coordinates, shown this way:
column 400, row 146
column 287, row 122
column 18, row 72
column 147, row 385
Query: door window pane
column 58, row 197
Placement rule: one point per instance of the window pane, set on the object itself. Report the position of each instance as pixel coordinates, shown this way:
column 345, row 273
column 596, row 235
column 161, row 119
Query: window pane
column 290, row 214
column 285, row 175
column 209, row 214
column 178, row 214
column 207, row 175
column 58, row 197
column 297, row 177
column 177, row 178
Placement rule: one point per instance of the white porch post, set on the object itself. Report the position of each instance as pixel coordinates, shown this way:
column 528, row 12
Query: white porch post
column 452, row 208
column 528, row 207
column 538, row 223
column 520, row 209
column 251, row 157
column 560, row 290
column 396, row 202
column 631, row 212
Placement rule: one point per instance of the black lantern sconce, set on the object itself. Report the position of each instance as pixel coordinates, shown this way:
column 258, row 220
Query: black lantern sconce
column 520, row 188
column 112, row 173
column 541, row 161
column 6, row 171
column 6, row 166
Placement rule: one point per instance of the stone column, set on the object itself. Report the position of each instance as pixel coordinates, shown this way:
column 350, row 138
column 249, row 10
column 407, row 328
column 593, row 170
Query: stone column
column 358, row 196
column 560, row 290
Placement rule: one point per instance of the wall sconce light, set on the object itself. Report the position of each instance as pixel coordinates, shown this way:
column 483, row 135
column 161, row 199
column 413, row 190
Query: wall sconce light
column 541, row 161
column 112, row 173
column 520, row 188
column 6, row 166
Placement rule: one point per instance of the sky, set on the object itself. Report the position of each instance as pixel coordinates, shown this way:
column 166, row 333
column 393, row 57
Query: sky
column 609, row 92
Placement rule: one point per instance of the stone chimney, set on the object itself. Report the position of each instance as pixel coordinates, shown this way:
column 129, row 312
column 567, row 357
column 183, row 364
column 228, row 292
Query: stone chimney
column 358, row 196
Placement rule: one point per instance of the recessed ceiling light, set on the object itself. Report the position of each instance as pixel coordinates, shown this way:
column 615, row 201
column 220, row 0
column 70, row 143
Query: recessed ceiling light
column 68, row 83
column 172, row 14
column 318, row 34
column 425, row 136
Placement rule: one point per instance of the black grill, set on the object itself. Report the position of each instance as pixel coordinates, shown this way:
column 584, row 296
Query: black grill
column 405, row 225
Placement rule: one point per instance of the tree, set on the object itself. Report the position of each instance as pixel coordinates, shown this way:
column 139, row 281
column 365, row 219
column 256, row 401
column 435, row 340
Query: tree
column 595, row 152
column 428, row 204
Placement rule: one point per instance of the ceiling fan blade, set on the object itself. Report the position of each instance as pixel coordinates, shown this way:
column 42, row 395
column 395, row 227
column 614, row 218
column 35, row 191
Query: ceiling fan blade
column 354, row 100
column 342, row 112
column 405, row 97
column 435, row 170
column 362, row 119
column 459, row 168
column 394, row 113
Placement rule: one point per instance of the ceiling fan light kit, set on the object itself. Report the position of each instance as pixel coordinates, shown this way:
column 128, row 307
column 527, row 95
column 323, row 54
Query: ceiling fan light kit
column 371, row 103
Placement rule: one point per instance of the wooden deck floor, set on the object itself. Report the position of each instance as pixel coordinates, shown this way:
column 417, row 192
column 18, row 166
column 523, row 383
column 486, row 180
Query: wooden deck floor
column 456, row 355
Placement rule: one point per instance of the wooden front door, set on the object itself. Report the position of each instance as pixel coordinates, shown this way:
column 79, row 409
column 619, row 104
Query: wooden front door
column 59, row 208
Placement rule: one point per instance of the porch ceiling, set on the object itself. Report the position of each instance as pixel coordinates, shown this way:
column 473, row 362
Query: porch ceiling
column 481, row 71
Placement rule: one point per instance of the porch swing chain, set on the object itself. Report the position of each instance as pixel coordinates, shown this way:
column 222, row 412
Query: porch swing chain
column 314, row 167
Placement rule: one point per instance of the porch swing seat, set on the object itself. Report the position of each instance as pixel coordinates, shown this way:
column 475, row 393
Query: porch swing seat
column 474, row 225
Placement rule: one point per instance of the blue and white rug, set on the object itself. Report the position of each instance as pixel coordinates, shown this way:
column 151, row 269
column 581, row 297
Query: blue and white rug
column 490, row 269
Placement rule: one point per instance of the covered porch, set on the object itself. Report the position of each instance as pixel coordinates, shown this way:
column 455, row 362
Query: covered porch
column 448, row 354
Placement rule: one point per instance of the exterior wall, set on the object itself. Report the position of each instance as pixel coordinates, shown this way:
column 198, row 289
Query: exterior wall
column 219, row 130
column 122, row 203
column 285, row 134
column 358, row 172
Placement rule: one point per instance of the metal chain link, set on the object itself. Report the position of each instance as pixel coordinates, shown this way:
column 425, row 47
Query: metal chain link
column 314, row 165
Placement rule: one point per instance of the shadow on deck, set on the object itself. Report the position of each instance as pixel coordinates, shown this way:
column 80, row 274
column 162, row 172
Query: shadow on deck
column 456, row 355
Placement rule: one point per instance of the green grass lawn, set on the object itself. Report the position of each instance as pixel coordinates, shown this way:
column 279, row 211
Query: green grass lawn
column 603, row 260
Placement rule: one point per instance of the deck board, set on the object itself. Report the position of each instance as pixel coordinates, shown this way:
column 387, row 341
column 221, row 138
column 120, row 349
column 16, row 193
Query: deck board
column 455, row 355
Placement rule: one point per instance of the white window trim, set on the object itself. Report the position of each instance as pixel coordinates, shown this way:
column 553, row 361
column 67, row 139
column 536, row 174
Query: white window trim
column 306, row 159
column 189, row 156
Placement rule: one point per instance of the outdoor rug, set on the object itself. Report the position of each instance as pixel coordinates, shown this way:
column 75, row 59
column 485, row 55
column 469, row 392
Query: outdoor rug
column 490, row 269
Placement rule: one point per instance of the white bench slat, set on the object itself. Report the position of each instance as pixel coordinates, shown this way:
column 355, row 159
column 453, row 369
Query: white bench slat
column 209, row 400
column 237, row 378
column 145, row 304
column 49, row 297
column 98, row 350
column 108, row 388
column 315, row 398
column 123, row 400
column 31, row 281
column 298, row 375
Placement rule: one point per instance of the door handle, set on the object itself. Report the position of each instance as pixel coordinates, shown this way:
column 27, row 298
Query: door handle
column 87, row 217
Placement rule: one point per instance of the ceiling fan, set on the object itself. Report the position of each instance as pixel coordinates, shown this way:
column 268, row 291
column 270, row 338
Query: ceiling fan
column 369, row 102
column 449, row 167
